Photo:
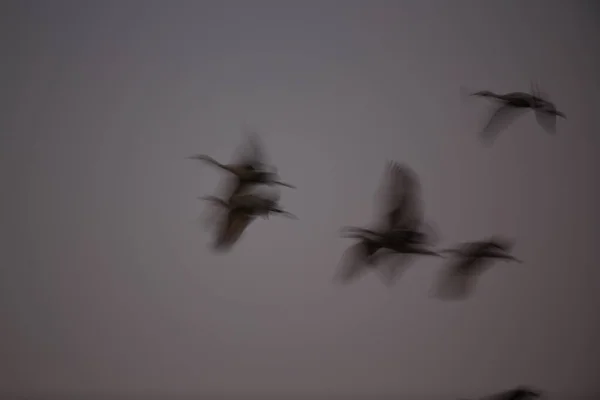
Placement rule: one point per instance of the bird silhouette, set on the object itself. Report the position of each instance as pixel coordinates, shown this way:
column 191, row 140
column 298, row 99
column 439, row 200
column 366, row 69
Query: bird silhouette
column 515, row 103
column 518, row 393
column 250, row 169
column 399, row 230
column 469, row 262
column 242, row 209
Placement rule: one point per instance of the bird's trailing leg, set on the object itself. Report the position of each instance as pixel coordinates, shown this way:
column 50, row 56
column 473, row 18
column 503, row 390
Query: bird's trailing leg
column 354, row 232
column 279, row 183
column 216, row 200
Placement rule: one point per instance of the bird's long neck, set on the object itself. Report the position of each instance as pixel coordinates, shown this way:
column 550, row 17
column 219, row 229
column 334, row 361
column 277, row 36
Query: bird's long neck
column 208, row 160
column 491, row 95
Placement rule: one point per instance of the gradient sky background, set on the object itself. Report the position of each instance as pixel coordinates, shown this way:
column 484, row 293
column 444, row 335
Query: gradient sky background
column 107, row 283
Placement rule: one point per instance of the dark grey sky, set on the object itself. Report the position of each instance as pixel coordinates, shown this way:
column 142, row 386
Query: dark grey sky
column 107, row 284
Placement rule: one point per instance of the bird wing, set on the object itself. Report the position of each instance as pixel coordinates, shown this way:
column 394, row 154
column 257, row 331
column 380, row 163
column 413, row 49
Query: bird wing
column 401, row 202
column 252, row 152
column 231, row 228
column 499, row 243
column 500, row 119
column 537, row 92
column 393, row 264
column 234, row 187
column 546, row 120
column 352, row 264
column 458, row 279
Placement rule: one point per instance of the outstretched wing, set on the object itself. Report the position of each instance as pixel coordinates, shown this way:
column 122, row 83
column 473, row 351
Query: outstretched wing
column 353, row 263
column 231, row 229
column 537, row 92
column 252, row 153
column 402, row 198
column 498, row 243
column 500, row 119
column 456, row 281
column 547, row 120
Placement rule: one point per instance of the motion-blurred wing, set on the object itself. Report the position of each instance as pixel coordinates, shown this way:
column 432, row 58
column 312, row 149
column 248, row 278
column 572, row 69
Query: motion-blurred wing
column 392, row 264
column 402, row 206
column 234, row 187
column 539, row 93
column 353, row 263
column 546, row 120
column 253, row 151
column 500, row 119
column 231, row 229
column 430, row 234
column 499, row 243
column 458, row 279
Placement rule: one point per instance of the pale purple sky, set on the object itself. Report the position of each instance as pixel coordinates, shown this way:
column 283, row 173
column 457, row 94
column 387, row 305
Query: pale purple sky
column 107, row 283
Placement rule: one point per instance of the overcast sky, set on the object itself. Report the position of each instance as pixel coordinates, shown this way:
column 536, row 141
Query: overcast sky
column 107, row 282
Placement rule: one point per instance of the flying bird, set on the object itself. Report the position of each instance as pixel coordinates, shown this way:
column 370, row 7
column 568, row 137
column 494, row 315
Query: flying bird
column 250, row 169
column 515, row 103
column 241, row 211
column 399, row 230
column 519, row 393
column 247, row 170
column 469, row 262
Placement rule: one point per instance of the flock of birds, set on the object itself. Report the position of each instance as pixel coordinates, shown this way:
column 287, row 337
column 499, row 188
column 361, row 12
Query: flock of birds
column 402, row 230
